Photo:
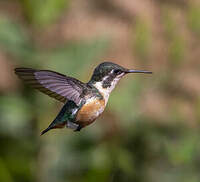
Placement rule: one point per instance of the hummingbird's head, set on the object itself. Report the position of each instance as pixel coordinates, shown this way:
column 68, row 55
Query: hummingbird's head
column 107, row 74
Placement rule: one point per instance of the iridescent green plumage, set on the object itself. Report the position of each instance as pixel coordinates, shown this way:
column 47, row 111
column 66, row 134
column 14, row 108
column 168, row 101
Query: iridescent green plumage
column 67, row 114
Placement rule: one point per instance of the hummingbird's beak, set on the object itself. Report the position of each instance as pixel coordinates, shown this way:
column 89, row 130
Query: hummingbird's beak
column 139, row 71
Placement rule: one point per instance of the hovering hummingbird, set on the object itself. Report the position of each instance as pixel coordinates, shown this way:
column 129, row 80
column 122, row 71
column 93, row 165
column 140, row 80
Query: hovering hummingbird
column 83, row 102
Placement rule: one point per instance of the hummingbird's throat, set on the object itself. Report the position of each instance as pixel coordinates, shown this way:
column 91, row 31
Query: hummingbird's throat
column 106, row 86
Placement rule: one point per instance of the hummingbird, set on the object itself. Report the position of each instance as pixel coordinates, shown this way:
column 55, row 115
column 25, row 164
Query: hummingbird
column 83, row 102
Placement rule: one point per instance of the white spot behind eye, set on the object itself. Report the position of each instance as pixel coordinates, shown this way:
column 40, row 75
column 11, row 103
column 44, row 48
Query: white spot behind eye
column 105, row 78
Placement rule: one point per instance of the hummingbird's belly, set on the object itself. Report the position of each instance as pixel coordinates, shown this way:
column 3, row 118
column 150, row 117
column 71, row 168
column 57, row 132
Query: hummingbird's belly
column 90, row 111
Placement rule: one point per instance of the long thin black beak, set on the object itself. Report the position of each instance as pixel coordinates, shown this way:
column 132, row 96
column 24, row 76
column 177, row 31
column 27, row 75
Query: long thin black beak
column 139, row 71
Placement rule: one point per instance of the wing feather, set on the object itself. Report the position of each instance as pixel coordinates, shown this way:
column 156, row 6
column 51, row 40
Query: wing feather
column 54, row 84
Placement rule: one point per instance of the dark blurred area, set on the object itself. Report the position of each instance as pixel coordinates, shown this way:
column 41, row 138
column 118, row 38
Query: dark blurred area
column 150, row 130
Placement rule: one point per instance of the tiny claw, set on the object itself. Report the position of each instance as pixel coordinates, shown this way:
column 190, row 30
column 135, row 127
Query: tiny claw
column 79, row 128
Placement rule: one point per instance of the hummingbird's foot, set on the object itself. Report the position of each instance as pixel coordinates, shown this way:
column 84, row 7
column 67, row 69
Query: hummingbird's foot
column 79, row 128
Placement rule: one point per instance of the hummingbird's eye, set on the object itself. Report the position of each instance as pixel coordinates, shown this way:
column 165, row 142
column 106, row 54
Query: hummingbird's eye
column 117, row 71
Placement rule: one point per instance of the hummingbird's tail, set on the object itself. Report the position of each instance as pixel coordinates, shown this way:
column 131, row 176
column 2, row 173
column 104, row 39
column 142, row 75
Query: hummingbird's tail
column 44, row 131
column 61, row 119
column 53, row 125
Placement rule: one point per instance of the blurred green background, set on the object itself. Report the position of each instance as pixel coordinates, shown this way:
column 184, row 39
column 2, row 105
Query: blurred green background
column 150, row 130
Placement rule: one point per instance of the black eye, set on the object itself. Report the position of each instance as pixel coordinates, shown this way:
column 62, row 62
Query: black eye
column 117, row 71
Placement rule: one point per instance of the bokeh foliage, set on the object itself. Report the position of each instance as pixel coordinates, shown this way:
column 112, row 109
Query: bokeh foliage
column 150, row 128
column 41, row 13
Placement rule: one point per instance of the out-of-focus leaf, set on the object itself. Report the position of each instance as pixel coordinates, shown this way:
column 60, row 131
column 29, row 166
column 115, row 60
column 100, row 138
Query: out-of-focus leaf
column 45, row 11
column 184, row 150
column 75, row 58
column 99, row 158
column 70, row 58
column 169, row 23
column 142, row 39
column 176, row 43
column 98, row 175
column 125, row 161
column 124, row 101
column 5, row 173
column 14, row 115
column 14, row 40
column 177, row 50
column 193, row 18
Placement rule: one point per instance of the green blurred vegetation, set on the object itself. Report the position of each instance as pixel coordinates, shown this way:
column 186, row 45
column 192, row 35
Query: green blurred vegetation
column 193, row 14
column 150, row 128
column 41, row 13
column 143, row 39
column 177, row 50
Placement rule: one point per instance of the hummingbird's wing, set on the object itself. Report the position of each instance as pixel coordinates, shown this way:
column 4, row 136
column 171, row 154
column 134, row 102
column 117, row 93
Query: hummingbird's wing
column 54, row 84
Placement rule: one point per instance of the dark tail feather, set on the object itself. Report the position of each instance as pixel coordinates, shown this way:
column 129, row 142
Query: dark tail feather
column 44, row 131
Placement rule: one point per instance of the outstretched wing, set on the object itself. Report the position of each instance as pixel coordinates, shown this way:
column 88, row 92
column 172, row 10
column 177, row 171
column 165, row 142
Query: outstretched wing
column 54, row 84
